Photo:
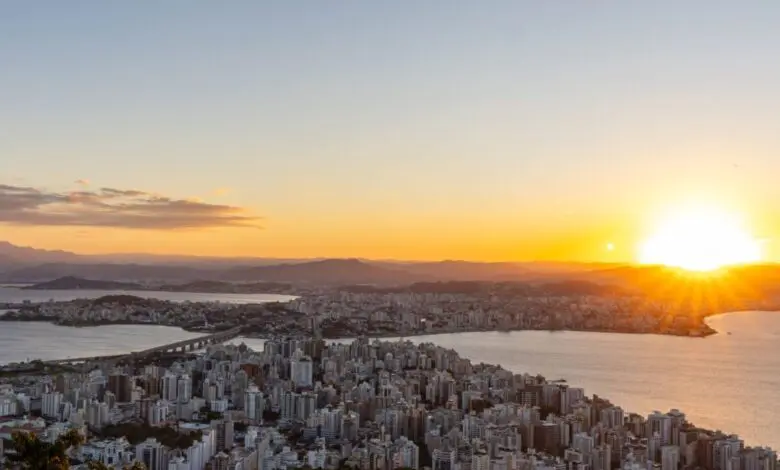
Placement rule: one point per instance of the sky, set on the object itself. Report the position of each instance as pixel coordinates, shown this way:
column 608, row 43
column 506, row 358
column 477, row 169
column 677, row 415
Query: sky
column 495, row 130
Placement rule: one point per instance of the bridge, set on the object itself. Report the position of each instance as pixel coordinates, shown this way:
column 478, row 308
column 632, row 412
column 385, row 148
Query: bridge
column 179, row 346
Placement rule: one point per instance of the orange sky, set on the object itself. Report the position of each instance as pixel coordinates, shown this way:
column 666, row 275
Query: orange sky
column 568, row 228
column 576, row 239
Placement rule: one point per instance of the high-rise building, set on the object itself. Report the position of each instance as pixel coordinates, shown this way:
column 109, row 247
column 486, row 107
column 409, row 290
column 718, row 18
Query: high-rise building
column 170, row 387
column 570, row 396
column 301, row 372
column 612, row 417
column 110, row 399
column 121, row 385
column 662, row 424
column 298, row 405
column 601, row 458
column 444, row 458
column 184, row 388
column 97, row 414
column 406, row 454
column 349, row 425
column 61, row 383
column 152, row 454
column 224, row 429
column 8, row 405
column 254, row 403
column 50, row 405
column 221, row 461
column 158, row 413
column 670, row 457
column 583, row 443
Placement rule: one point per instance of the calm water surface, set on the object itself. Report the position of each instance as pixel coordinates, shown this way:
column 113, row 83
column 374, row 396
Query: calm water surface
column 22, row 341
column 16, row 295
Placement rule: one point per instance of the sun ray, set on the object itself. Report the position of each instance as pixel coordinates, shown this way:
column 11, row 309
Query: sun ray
column 700, row 239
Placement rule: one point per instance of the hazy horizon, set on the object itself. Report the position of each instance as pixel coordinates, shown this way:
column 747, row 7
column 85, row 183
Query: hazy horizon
column 120, row 255
column 498, row 131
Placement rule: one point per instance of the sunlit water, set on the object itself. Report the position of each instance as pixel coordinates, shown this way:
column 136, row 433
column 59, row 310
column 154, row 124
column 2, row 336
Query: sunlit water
column 727, row 381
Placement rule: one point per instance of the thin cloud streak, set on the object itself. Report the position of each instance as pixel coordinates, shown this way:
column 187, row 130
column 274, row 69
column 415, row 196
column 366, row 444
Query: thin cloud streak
column 112, row 207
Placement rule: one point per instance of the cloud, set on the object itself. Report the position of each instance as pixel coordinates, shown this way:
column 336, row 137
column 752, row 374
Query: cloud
column 111, row 207
column 82, row 182
column 221, row 191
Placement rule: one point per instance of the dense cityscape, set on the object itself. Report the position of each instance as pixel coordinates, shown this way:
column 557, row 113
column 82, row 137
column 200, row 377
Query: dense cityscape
column 302, row 403
column 340, row 314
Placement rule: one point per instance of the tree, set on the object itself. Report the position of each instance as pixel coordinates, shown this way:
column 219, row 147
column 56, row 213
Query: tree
column 34, row 454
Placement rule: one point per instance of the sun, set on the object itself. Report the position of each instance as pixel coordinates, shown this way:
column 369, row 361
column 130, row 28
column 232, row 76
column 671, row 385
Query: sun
column 700, row 239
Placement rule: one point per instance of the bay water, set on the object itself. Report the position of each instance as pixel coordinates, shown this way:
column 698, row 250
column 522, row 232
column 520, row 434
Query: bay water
column 728, row 381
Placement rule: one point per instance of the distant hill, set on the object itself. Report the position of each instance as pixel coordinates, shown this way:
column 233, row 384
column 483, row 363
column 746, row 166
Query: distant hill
column 76, row 283
column 228, row 287
column 729, row 288
column 26, row 255
column 8, row 262
column 276, row 277
column 61, row 269
column 326, row 272
column 563, row 288
column 183, row 260
column 465, row 270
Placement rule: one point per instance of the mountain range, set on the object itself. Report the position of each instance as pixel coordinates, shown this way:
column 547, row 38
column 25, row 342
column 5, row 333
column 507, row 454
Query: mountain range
column 29, row 265
column 24, row 264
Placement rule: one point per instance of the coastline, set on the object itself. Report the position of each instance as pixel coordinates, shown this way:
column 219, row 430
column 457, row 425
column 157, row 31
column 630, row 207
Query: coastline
column 708, row 331
column 404, row 335
column 697, row 326
column 525, row 354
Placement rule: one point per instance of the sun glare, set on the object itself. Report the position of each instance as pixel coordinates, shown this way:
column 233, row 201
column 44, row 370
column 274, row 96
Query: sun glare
column 699, row 239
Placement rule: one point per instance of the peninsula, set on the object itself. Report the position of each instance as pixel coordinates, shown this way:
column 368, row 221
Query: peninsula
column 359, row 405
column 342, row 313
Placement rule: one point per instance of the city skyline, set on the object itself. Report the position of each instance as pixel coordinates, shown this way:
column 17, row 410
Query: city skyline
column 507, row 131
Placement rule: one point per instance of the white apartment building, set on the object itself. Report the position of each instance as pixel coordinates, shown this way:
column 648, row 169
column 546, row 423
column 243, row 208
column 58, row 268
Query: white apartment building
column 8, row 405
column 50, row 405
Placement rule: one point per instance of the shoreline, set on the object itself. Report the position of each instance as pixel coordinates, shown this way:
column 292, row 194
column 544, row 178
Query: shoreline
column 701, row 334
column 389, row 334
column 689, row 425
column 380, row 336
